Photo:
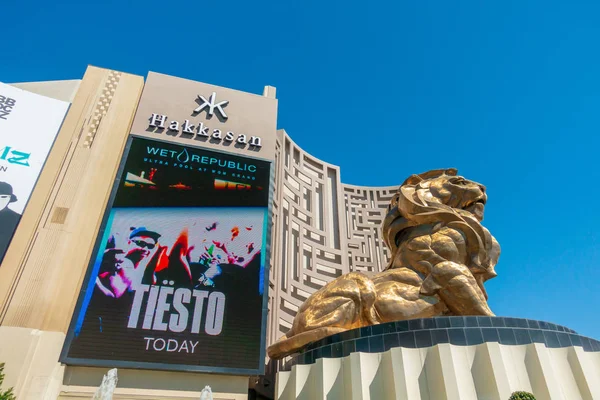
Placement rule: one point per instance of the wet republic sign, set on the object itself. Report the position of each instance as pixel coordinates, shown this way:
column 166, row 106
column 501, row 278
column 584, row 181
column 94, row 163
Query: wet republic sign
column 198, row 114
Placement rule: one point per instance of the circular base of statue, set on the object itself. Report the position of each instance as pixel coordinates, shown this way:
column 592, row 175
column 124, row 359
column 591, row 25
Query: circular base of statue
column 445, row 358
column 426, row 332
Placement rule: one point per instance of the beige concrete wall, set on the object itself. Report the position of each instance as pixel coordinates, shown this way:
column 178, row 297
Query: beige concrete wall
column 59, row 90
column 45, row 264
column 489, row 371
column 31, row 358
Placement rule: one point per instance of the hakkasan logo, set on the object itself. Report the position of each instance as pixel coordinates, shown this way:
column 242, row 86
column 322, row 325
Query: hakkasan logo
column 185, row 157
column 200, row 131
column 211, row 106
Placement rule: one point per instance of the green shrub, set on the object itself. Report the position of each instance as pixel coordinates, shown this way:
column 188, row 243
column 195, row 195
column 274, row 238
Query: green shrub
column 521, row 396
column 5, row 395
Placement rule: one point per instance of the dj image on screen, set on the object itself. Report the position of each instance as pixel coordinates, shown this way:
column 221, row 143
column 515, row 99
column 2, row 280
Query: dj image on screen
column 178, row 278
column 9, row 219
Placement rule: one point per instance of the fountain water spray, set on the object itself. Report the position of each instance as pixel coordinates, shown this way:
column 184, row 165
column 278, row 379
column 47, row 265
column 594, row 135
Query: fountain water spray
column 107, row 388
column 206, row 393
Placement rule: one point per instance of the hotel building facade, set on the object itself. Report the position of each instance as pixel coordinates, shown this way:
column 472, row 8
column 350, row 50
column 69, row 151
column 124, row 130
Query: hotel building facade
column 113, row 158
column 320, row 228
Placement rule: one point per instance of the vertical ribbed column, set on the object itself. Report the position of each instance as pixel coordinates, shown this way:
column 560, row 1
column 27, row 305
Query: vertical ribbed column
column 448, row 374
column 516, row 370
column 400, row 368
column 359, row 370
column 324, row 380
column 559, row 359
column 544, row 382
column 489, row 372
column 583, row 371
column 456, row 357
column 431, row 380
column 281, row 386
column 328, row 379
column 296, row 383
column 394, row 378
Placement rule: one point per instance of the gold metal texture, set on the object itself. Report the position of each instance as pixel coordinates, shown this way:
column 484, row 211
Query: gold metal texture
column 441, row 257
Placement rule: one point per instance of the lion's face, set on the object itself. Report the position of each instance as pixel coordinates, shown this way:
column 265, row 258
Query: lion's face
column 455, row 192
column 426, row 198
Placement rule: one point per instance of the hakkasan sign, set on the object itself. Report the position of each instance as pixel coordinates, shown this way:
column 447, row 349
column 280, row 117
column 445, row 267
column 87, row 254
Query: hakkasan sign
column 179, row 276
column 198, row 114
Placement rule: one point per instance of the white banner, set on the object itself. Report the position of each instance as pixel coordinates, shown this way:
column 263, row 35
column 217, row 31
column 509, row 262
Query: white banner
column 29, row 124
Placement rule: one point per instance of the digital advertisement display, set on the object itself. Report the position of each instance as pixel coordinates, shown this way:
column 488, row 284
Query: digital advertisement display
column 178, row 279
column 29, row 124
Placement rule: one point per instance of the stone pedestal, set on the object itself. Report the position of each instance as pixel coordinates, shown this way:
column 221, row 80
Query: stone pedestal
column 446, row 358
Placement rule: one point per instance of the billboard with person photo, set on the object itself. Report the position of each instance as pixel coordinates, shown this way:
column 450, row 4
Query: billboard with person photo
column 29, row 124
column 179, row 275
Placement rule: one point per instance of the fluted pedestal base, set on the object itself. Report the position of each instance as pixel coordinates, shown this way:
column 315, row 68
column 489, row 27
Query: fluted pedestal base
column 446, row 358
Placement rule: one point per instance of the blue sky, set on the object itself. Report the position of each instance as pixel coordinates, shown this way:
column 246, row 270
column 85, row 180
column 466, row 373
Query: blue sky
column 507, row 92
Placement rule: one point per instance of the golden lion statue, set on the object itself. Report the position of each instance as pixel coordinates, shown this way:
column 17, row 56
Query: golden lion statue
column 441, row 256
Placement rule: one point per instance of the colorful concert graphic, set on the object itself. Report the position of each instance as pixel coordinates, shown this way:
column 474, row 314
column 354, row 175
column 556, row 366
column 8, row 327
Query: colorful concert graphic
column 178, row 278
column 185, row 247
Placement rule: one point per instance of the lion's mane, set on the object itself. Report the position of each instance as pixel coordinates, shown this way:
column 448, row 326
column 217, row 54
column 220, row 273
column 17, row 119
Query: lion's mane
column 416, row 204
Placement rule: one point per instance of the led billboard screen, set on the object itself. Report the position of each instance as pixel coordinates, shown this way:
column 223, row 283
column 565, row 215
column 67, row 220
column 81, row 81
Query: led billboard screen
column 178, row 279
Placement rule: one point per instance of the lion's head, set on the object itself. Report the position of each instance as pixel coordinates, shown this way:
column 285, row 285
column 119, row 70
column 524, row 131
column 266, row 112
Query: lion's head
column 441, row 196
column 444, row 187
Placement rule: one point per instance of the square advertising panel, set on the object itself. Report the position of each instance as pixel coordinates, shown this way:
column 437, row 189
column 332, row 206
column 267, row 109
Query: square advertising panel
column 29, row 124
column 179, row 274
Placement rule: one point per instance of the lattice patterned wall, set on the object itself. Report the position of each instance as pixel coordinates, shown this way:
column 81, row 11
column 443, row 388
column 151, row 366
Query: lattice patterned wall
column 321, row 230
column 365, row 210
